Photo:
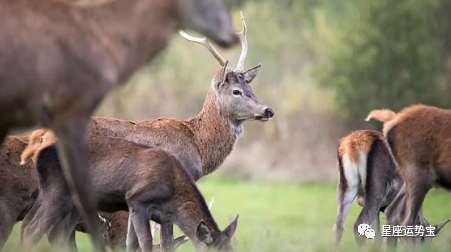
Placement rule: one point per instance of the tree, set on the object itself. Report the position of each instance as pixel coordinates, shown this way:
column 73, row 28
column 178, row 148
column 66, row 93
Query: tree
column 390, row 54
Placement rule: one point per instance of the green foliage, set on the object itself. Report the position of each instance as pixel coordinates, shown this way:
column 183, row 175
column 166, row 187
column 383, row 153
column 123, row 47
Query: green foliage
column 389, row 54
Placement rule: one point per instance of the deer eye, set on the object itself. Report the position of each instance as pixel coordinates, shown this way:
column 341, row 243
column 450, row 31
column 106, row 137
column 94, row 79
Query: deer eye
column 236, row 92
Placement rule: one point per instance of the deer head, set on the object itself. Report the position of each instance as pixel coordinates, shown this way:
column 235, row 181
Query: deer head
column 220, row 241
column 209, row 17
column 231, row 87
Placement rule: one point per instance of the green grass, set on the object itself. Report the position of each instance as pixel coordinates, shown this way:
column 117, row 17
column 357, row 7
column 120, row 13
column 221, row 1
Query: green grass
column 277, row 217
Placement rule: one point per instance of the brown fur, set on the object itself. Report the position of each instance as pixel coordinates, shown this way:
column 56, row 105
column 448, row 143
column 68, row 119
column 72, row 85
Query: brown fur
column 373, row 179
column 375, row 183
column 39, row 139
column 127, row 176
column 383, row 115
column 200, row 143
column 19, row 187
column 113, row 225
column 420, row 138
column 203, row 142
column 58, row 59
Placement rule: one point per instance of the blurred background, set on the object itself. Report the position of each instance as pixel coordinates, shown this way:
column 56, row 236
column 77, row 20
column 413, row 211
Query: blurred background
column 326, row 64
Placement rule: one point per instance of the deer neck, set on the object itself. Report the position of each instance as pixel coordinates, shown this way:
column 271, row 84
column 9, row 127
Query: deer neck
column 133, row 30
column 215, row 134
column 192, row 209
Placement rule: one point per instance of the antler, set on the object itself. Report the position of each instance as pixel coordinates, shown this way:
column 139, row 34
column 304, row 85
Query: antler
column 211, row 203
column 242, row 35
column 204, row 41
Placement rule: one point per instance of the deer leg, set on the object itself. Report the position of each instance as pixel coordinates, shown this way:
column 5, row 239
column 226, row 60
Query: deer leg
column 417, row 186
column 34, row 228
column 72, row 242
column 8, row 217
column 346, row 193
column 367, row 216
column 141, row 224
column 394, row 212
column 132, row 243
column 376, row 225
column 73, row 156
column 29, row 217
column 167, row 237
column 28, row 235
column 375, row 190
column 62, row 233
column 49, row 210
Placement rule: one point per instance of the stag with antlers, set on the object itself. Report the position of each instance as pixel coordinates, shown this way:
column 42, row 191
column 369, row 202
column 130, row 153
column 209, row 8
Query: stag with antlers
column 58, row 59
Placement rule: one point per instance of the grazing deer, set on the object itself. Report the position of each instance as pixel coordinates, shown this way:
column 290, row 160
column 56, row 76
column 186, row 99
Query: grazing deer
column 149, row 182
column 113, row 225
column 419, row 137
column 200, row 143
column 367, row 171
column 68, row 55
column 19, row 188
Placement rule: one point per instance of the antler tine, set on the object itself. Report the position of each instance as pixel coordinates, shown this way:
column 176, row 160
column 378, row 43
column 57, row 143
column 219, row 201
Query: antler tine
column 211, row 203
column 242, row 35
column 204, row 41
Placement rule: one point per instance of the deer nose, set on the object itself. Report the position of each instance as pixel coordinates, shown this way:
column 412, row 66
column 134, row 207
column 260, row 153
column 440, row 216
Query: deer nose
column 269, row 112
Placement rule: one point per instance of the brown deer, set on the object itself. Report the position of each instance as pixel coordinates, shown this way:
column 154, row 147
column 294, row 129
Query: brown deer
column 367, row 171
column 19, row 188
column 60, row 58
column 113, row 225
column 149, row 182
column 419, row 137
column 200, row 143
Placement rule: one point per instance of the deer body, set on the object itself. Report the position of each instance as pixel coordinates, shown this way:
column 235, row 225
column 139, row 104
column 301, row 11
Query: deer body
column 58, row 59
column 419, row 137
column 19, row 188
column 367, row 170
column 201, row 143
column 148, row 182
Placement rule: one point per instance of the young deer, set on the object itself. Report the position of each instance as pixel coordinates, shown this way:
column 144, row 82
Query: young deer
column 200, row 143
column 20, row 187
column 419, row 137
column 68, row 55
column 113, row 225
column 367, row 170
column 149, row 182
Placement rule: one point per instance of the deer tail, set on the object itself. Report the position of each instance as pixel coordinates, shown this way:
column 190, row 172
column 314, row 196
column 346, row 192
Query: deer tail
column 382, row 115
column 26, row 155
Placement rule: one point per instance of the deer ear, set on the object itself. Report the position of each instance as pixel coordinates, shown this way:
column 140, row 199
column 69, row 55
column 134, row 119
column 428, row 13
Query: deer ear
column 230, row 230
column 250, row 74
column 203, row 233
column 439, row 227
column 221, row 77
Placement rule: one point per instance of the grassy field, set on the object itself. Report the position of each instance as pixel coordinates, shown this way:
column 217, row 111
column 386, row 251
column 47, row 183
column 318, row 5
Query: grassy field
column 277, row 217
